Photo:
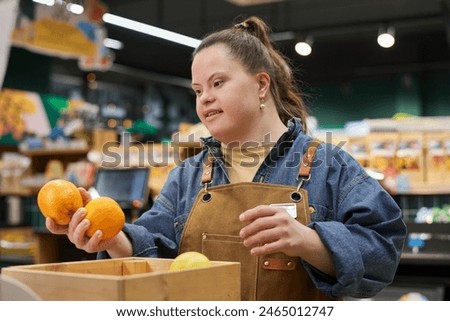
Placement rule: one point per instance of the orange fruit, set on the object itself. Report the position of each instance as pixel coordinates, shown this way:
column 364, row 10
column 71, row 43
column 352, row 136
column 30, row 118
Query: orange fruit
column 189, row 260
column 105, row 214
column 59, row 199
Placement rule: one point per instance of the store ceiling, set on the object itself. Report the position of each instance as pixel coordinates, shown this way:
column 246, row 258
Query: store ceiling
column 344, row 34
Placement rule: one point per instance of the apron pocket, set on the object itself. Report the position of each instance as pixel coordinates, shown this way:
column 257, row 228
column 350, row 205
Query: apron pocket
column 219, row 247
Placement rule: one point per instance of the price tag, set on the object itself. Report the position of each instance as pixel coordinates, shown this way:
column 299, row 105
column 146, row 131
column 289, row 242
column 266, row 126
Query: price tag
column 291, row 208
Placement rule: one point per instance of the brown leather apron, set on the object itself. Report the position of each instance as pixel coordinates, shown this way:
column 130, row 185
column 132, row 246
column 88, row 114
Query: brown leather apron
column 213, row 228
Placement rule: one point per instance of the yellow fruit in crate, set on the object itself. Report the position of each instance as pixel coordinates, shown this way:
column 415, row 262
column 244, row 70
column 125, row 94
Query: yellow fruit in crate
column 105, row 214
column 189, row 260
column 59, row 199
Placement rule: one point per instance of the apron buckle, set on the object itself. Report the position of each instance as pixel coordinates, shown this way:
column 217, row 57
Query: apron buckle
column 296, row 196
column 302, row 180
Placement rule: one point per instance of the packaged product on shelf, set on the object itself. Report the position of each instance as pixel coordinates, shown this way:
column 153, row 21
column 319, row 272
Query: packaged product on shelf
column 101, row 136
column 358, row 148
column 81, row 173
column 409, row 158
column 437, row 157
column 13, row 168
column 17, row 242
column 54, row 169
column 382, row 147
column 447, row 158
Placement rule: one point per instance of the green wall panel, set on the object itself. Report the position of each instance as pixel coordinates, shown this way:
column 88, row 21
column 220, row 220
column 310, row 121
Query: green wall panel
column 436, row 91
column 28, row 71
column 408, row 98
column 334, row 105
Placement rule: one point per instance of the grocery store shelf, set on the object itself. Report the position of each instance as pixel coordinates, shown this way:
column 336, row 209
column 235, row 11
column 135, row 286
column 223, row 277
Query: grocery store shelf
column 16, row 259
column 186, row 144
column 53, row 151
column 20, row 193
column 427, row 189
column 422, row 189
column 425, row 258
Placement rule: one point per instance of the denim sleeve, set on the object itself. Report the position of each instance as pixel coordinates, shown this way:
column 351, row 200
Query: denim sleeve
column 152, row 234
column 366, row 239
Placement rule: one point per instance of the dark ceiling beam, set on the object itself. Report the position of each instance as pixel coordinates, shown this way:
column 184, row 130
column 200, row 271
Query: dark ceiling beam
column 403, row 68
column 411, row 23
column 150, row 76
column 446, row 16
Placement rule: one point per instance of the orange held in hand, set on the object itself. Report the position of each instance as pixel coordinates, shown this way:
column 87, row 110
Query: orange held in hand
column 59, row 199
column 105, row 214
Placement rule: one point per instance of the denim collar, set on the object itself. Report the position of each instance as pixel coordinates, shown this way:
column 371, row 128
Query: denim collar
column 294, row 126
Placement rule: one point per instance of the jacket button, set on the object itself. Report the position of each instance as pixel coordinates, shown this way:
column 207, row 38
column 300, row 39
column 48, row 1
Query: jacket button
column 266, row 263
column 289, row 264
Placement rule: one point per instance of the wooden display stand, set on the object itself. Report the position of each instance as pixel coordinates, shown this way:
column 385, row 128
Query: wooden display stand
column 129, row 279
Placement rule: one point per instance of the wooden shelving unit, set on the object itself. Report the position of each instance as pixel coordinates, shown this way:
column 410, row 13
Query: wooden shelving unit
column 424, row 189
column 40, row 157
column 54, row 151
column 49, row 248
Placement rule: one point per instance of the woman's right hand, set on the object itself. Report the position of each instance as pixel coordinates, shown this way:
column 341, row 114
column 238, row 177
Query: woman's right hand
column 76, row 231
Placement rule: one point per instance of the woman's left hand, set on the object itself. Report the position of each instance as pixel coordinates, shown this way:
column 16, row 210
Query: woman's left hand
column 271, row 229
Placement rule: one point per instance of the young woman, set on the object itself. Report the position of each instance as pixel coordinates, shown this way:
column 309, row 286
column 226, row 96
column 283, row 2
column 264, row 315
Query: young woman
column 303, row 218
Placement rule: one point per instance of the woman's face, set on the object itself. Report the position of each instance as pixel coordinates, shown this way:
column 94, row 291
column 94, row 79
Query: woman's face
column 227, row 100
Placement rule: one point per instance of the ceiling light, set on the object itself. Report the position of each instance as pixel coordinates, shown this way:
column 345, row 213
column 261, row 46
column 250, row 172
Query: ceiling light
column 150, row 30
column 304, row 47
column 75, row 8
column 113, row 43
column 386, row 38
column 282, row 36
column 46, row 2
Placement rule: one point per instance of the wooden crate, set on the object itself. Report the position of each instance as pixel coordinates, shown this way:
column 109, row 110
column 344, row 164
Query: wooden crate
column 130, row 279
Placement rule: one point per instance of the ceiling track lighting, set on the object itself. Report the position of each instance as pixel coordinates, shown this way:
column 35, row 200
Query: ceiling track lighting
column 45, row 2
column 386, row 37
column 150, row 30
column 113, row 43
column 304, row 47
column 73, row 6
column 76, row 7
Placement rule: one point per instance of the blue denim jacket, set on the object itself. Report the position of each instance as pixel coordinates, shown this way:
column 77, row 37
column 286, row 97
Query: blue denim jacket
column 355, row 217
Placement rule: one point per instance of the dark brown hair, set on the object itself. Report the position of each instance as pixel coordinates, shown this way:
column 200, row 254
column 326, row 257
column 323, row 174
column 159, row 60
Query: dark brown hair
column 249, row 43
